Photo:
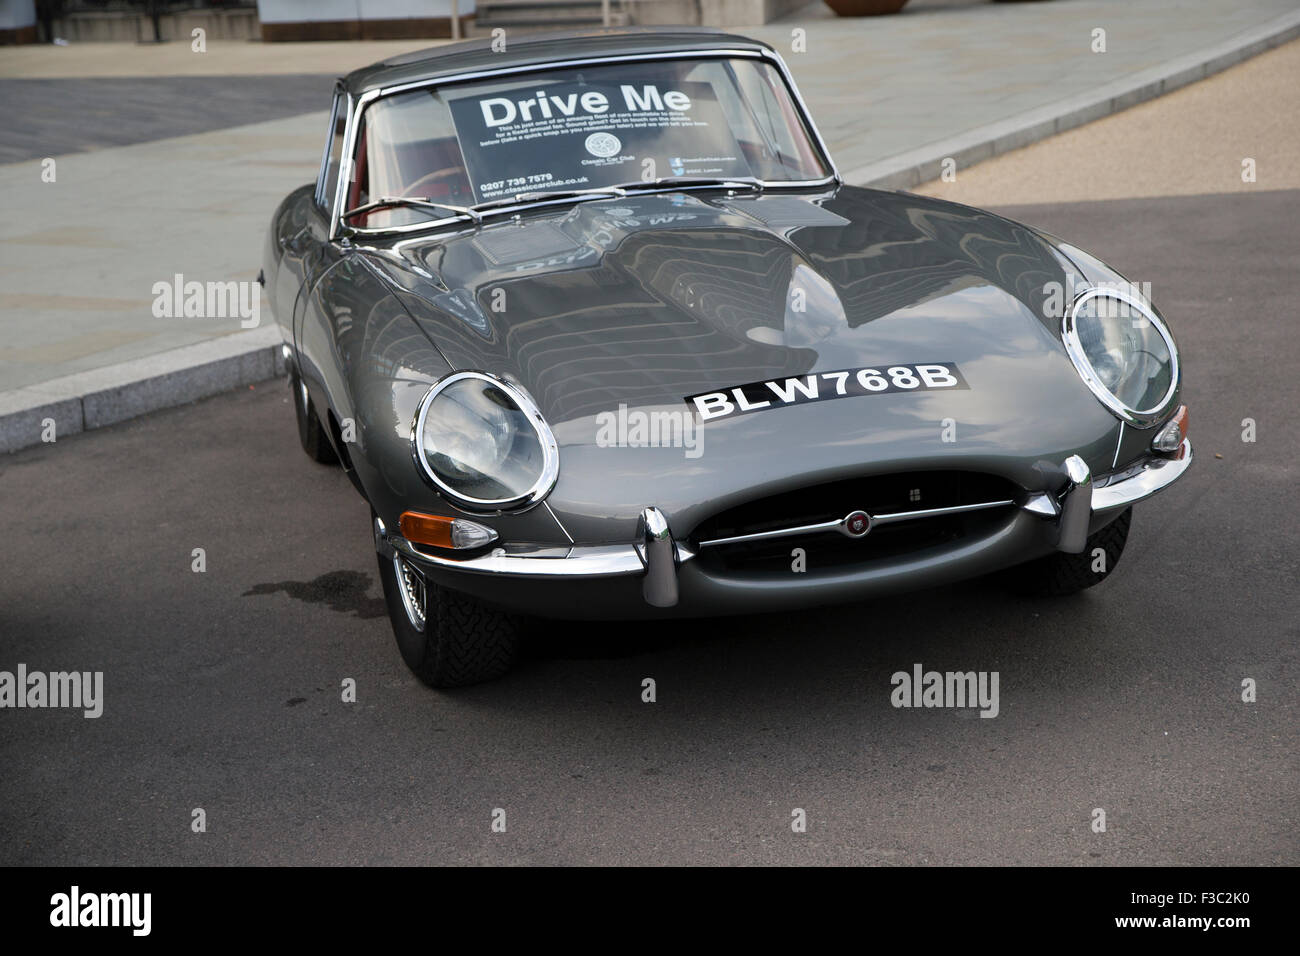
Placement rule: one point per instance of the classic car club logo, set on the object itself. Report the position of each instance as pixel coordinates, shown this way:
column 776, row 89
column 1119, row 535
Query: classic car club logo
column 824, row 386
column 603, row 145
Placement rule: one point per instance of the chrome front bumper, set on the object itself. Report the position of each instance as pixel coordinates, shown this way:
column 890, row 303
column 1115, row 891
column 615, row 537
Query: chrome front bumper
column 655, row 556
column 1153, row 476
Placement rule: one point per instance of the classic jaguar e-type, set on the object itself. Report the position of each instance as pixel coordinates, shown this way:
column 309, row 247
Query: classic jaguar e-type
column 597, row 330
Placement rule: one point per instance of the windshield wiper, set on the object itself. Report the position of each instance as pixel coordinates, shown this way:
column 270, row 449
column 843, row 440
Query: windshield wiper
column 729, row 182
column 476, row 211
column 595, row 192
column 388, row 202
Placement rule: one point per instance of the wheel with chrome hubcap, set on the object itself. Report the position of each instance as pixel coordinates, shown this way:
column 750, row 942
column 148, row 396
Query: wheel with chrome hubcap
column 414, row 594
column 447, row 639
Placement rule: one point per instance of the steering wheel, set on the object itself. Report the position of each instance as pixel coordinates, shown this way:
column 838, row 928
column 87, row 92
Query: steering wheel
column 447, row 172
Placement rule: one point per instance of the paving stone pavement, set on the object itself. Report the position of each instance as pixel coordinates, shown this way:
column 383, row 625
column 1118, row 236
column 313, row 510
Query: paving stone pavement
column 1205, row 133
column 881, row 86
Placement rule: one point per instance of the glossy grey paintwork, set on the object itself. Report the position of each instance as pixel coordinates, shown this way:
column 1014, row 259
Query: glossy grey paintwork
column 640, row 301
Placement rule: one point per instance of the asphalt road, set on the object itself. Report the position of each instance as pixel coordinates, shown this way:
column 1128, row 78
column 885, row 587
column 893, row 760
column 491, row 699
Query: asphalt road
column 222, row 688
column 120, row 111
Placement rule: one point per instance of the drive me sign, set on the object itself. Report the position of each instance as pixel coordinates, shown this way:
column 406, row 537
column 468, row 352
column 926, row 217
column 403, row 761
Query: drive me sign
column 585, row 134
column 500, row 111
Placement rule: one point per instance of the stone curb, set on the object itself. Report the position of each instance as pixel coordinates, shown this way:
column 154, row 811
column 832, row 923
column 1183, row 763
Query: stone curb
column 115, row 393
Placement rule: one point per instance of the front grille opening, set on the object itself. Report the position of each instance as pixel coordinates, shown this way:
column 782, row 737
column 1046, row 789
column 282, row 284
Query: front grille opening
column 878, row 495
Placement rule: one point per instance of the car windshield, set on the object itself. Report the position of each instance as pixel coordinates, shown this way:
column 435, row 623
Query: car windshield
column 578, row 128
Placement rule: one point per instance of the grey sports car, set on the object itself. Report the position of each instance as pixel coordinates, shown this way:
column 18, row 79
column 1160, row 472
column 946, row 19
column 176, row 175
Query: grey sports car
column 597, row 330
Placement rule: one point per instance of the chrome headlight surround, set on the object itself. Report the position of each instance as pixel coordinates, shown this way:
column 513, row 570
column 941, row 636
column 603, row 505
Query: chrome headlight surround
column 1137, row 417
column 550, row 469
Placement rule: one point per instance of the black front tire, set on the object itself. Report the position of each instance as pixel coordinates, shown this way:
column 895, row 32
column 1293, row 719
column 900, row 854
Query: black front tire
column 1059, row 574
column 461, row 641
column 311, row 432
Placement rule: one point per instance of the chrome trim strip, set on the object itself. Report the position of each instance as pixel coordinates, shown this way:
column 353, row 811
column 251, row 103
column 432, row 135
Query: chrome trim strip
column 543, row 65
column 345, row 166
column 937, row 512
column 1138, row 418
column 427, row 224
column 383, row 544
column 593, row 561
column 777, row 533
column 558, row 522
column 1041, row 504
column 840, row 523
column 1156, row 475
column 357, row 109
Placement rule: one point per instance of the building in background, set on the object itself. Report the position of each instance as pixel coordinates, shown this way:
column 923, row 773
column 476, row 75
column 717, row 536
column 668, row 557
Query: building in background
column 17, row 21
column 142, row 21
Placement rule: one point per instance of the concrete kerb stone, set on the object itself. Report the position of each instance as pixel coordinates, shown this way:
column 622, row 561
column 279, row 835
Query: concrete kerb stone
column 115, row 393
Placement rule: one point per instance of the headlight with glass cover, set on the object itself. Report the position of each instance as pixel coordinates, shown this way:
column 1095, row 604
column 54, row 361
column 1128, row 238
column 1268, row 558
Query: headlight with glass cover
column 1124, row 353
column 484, row 443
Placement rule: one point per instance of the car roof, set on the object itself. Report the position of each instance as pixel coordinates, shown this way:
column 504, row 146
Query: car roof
column 539, row 49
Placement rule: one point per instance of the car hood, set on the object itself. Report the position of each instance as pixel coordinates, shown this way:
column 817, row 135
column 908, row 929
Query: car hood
column 608, row 309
